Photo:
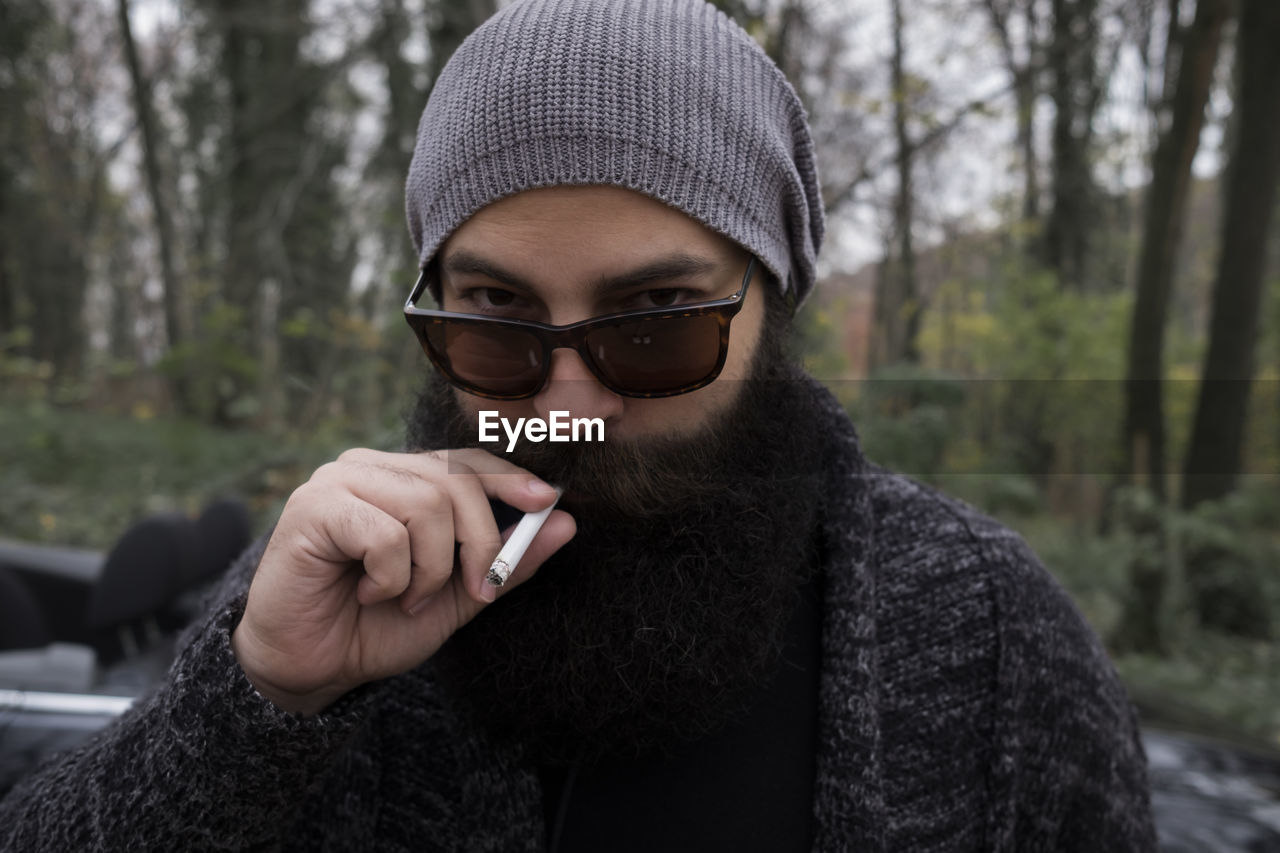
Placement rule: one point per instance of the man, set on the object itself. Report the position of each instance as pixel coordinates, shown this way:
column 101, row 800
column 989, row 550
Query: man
column 733, row 632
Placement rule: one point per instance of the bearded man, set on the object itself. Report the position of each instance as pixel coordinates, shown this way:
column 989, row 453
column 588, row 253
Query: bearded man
column 732, row 633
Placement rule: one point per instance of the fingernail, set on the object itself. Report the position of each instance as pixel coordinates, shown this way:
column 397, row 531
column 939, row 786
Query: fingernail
column 488, row 591
column 540, row 489
column 413, row 609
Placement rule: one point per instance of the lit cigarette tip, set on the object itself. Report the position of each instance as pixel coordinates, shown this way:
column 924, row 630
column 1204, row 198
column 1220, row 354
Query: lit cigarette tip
column 498, row 573
column 512, row 552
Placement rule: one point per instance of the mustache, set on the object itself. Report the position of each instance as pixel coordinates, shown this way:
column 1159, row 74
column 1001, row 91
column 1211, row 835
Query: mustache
column 616, row 479
column 635, row 479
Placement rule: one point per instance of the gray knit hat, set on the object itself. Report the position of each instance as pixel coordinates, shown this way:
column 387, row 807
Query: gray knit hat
column 666, row 97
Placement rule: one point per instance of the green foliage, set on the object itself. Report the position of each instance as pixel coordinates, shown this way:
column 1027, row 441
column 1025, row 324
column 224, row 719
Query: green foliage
column 1044, row 362
column 221, row 375
column 906, row 418
column 1042, row 330
column 1219, row 682
column 1036, row 395
column 1231, row 550
column 815, row 335
column 1207, row 569
column 80, row 478
column 1204, row 677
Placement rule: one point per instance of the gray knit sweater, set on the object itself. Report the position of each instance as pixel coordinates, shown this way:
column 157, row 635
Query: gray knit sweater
column 964, row 705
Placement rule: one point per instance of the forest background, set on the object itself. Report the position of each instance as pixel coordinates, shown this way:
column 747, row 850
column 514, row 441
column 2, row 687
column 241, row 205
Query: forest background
column 1051, row 284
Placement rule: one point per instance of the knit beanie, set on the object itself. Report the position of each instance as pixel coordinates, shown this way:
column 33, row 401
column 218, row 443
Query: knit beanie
column 669, row 98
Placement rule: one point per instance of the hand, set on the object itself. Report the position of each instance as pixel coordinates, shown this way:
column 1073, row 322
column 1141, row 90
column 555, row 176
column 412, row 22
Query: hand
column 359, row 580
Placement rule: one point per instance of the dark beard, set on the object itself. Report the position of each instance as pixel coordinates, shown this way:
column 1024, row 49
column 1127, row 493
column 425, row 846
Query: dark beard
column 647, row 628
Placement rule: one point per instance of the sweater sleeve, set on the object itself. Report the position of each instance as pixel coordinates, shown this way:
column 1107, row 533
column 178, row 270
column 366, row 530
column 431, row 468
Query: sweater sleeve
column 204, row 762
column 1070, row 771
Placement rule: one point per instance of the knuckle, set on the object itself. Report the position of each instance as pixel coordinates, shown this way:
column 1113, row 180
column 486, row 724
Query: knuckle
column 327, row 472
column 361, row 523
column 434, row 499
column 390, row 535
column 396, row 472
column 301, row 499
column 488, row 544
column 353, row 454
column 432, row 575
column 461, row 467
column 432, row 455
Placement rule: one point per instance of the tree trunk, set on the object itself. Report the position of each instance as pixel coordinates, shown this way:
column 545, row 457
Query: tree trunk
column 8, row 293
column 904, row 265
column 405, row 100
column 1073, row 63
column 1025, row 94
column 242, row 273
column 886, row 309
column 1215, row 454
column 1143, row 438
column 1024, row 73
column 175, row 322
column 457, row 19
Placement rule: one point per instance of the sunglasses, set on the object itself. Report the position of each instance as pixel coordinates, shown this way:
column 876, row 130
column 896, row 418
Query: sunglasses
column 655, row 352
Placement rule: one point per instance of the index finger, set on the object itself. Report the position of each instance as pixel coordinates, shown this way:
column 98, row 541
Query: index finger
column 499, row 478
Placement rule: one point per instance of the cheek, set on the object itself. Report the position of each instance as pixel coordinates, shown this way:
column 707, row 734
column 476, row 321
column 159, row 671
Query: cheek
column 511, row 410
column 744, row 337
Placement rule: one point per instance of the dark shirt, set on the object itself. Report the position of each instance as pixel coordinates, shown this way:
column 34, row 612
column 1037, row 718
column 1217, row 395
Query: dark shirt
column 746, row 787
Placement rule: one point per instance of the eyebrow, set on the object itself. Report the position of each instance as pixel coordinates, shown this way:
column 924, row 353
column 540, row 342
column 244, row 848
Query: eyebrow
column 675, row 265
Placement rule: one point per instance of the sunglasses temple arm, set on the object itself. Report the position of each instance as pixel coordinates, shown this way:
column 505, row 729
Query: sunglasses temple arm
column 418, row 287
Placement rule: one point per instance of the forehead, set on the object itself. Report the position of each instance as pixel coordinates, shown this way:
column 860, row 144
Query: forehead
column 609, row 224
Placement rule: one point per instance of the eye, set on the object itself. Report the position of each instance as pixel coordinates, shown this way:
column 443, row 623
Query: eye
column 487, row 298
column 497, row 298
column 664, row 297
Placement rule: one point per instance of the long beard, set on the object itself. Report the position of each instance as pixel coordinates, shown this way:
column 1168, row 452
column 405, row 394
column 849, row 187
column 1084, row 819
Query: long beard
column 647, row 628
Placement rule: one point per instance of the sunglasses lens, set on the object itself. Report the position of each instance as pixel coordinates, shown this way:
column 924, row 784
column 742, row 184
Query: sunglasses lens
column 656, row 356
column 487, row 357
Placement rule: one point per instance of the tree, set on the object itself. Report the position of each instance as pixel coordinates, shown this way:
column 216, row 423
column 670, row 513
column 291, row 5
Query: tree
column 176, row 321
column 51, row 182
column 1143, row 436
column 455, row 19
column 286, row 250
column 1024, row 70
column 1077, row 85
column 1215, row 453
column 903, row 264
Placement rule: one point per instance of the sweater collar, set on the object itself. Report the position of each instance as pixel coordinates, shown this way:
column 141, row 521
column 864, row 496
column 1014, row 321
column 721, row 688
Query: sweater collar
column 848, row 796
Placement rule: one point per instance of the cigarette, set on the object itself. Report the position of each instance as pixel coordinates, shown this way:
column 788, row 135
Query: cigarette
column 512, row 552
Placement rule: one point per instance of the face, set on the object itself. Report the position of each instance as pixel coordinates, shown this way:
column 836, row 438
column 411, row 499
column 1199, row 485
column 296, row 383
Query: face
column 671, row 527
column 559, row 255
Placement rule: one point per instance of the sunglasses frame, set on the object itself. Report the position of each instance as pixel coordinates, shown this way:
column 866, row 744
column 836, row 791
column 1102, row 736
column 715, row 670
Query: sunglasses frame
column 574, row 337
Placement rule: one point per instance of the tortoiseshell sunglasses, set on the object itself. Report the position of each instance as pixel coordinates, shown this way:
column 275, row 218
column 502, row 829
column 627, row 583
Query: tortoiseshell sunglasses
column 655, row 352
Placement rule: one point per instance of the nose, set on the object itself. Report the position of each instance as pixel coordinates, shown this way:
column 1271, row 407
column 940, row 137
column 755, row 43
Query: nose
column 571, row 387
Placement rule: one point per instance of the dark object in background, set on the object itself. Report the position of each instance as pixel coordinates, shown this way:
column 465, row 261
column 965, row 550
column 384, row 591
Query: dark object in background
column 59, row 581
column 22, row 624
column 137, row 596
column 149, row 584
column 223, row 530
column 143, row 572
column 128, row 606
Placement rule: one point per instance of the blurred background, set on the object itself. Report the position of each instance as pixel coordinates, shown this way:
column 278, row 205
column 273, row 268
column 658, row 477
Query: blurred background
column 1050, row 284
